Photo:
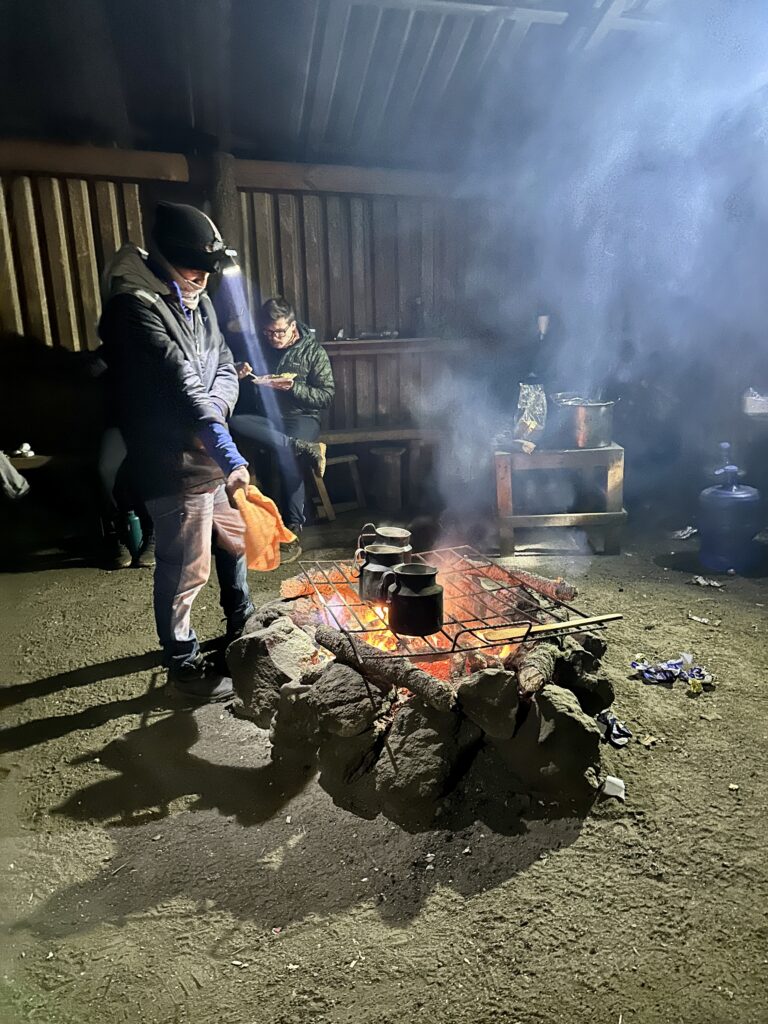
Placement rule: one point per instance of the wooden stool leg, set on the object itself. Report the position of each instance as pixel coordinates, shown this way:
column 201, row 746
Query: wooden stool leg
column 325, row 500
column 357, row 484
column 504, row 504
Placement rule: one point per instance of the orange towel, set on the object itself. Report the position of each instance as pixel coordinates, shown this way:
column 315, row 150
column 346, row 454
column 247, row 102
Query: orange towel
column 264, row 529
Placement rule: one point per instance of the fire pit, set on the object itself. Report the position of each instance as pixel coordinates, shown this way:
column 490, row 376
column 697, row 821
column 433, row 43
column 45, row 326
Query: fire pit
column 508, row 686
column 481, row 600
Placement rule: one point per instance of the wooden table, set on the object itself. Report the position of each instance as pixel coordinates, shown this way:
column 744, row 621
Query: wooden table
column 608, row 522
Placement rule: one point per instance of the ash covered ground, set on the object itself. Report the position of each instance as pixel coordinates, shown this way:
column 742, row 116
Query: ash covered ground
column 158, row 867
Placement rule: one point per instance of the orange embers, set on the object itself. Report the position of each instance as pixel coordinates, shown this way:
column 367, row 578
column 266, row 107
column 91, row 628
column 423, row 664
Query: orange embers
column 342, row 609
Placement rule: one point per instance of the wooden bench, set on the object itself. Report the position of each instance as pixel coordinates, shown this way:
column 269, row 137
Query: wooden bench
column 415, row 440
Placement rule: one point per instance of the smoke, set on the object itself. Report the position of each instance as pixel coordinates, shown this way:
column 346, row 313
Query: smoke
column 629, row 198
column 635, row 204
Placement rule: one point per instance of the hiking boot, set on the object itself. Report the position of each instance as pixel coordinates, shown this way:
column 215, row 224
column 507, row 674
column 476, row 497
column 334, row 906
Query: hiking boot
column 145, row 559
column 313, row 452
column 116, row 554
column 201, row 681
column 292, row 550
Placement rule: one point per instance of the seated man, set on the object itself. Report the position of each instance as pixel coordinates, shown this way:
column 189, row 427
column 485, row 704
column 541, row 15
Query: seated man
column 280, row 405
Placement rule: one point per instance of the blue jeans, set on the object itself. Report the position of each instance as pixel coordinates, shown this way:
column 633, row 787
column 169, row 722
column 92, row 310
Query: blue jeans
column 187, row 528
column 259, row 430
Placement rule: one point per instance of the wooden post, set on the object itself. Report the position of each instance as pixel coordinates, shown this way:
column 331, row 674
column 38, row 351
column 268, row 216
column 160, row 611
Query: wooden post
column 225, row 201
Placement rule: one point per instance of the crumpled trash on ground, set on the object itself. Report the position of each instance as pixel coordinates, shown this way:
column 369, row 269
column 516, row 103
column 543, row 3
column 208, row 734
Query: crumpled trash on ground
column 703, row 581
column 614, row 786
column 666, row 672
column 614, row 731
column 705, row 621
column 685, row 534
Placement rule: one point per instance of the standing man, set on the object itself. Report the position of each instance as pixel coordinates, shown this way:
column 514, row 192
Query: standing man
column 281, row 403
column 174, row 384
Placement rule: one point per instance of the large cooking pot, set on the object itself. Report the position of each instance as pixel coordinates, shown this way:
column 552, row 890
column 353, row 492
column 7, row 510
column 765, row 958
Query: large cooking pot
column 577, row 422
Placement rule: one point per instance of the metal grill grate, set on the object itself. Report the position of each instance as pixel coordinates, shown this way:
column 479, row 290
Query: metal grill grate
column 478, row 595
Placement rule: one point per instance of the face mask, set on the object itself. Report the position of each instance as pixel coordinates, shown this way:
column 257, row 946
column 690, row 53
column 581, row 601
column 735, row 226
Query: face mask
column 190, row 292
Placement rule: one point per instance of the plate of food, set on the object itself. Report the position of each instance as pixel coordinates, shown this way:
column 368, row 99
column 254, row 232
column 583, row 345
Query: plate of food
column 263, row 378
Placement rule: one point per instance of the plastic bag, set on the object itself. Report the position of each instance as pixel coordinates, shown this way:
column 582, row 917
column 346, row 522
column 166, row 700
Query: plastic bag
column 531, row 412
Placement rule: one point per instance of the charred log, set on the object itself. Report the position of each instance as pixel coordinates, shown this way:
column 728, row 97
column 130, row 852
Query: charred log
column 385, row 672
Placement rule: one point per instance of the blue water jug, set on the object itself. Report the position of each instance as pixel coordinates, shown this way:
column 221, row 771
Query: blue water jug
column 730, row 514
column 134, row 534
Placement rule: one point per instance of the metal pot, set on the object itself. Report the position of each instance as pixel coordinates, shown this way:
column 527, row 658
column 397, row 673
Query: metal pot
column 377, row 562
column 394, row 536
column 415, row 599
column 577, row 422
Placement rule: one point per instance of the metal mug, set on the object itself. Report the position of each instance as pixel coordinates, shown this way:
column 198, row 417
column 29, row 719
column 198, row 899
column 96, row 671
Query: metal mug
column 414, row 599
column 394, row 536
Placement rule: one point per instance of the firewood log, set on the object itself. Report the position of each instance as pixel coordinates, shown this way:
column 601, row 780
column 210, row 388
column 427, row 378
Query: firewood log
column 535, row 667
column 557, row 590
column 386, row 672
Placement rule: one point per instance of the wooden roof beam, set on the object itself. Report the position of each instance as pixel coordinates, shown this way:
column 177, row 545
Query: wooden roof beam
column 23, row 156
column 261, row 175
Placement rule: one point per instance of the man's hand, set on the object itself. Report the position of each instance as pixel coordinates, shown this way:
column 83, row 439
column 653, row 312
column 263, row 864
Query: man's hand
column 243, row 370
column 238, row 479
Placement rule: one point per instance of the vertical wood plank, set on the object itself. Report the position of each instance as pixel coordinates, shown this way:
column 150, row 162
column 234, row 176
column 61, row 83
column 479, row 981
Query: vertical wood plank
column 59, row 267
column 291, row 255
column 385, row 263
column 108, row 215
column 388, row 390
column 452, row 285
column 344, row 402
column 246, row 255
column 428, row 266
column 37, row 320
column 134, row 223
column 84, row 249
column 409, row 298
column 317, row 272
column 410, row 387
column 362, row 269
column 339, row 264
column 266, row 245
column 365, row 392
column 10, row 305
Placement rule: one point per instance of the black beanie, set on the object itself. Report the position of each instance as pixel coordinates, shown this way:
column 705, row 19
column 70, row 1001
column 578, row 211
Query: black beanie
column 187, row 238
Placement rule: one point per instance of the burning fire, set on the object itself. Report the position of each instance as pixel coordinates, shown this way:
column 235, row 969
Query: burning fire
column 367, row 621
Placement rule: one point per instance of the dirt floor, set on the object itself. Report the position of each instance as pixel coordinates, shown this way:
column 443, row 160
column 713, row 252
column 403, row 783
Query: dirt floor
column 158, row 869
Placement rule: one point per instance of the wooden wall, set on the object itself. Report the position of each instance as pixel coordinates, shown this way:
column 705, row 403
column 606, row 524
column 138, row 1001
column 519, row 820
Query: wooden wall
column 359, row 263
column 55, row 235
column 354, row 249
column 379, row 383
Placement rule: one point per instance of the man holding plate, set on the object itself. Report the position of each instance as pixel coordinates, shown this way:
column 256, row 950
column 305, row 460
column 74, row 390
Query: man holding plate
column 280, row 405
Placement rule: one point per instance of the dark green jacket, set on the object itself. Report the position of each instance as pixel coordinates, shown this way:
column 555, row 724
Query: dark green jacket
column 313, row 388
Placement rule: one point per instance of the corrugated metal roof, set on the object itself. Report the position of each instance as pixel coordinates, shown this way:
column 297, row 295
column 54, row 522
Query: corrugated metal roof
column 402, row 83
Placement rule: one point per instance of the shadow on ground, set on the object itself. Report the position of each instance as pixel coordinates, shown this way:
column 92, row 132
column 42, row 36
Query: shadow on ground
column 198, row 812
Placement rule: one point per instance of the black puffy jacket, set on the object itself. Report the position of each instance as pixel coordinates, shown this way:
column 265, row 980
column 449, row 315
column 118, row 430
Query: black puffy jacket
column 168, row 376
column 314, row 387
